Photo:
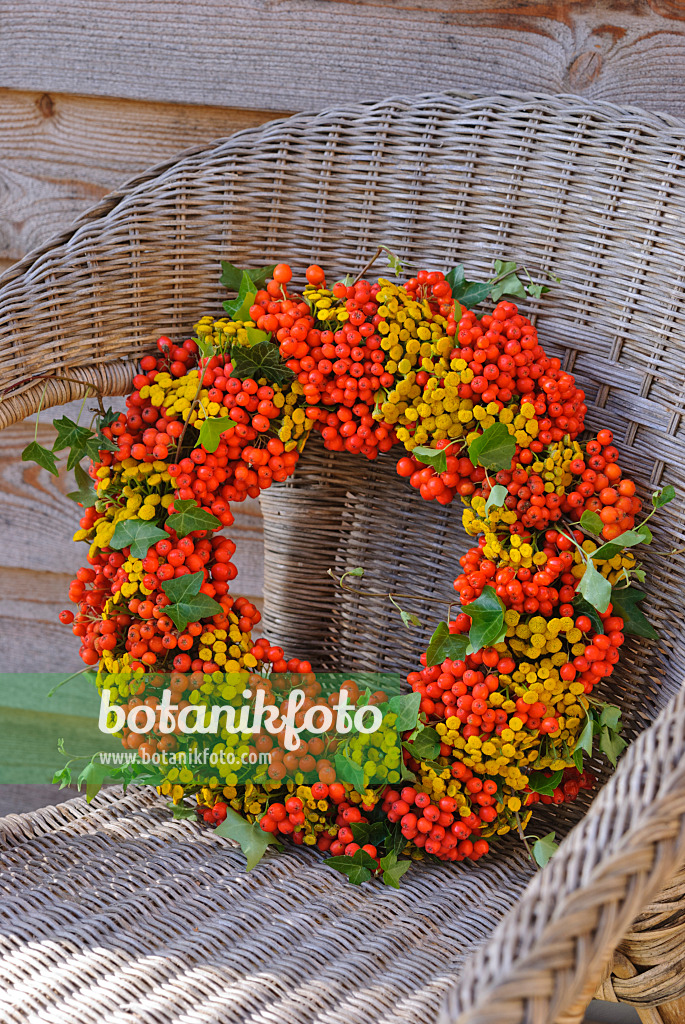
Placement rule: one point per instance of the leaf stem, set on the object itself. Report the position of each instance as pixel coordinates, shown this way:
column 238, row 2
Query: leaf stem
column 40, row 406
column 67, row 680
column 74, row 380
column 368, row 266
column 519, row 828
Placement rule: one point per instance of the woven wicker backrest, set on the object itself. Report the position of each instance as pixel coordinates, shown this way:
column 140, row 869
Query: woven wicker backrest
column 590, row 193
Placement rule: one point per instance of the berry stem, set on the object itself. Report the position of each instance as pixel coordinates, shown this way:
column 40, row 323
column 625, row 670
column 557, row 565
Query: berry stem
column 74, row 380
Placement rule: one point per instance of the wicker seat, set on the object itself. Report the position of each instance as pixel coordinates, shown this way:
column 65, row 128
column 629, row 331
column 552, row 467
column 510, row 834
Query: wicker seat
column 112, row 912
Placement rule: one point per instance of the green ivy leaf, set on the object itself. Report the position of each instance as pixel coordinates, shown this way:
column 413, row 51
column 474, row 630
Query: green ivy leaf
column 455, row 277
column 94, row 774
column 406, row 707
column 425, row 746
column 584, row 743
column 239, row 308
column 583, row 608
column 348, row 770
column 63, row 776
column 255, row 336
column 393, row 869
column 69, row 434
column 611, row 717
column 646, row 533
column 540, row 783
column 211, row 430
column 358, row 868
column 510, row 284
column 394, row 262
column 86, row 495
column 594, row 587
column 662, row 497
column 262, row 360
column 409, row 618
column 497, row 497
column 249, row 836
column 139, row 534
column 625, row 602
column 591, row 522
column 487, row 620
column 537, row 290
column 471, row 293
column 444, row 644
column 232, row 276
column 611, row 744
column 107, row 418
column 626, row 540
column 46, row 459
column 373, row 832
column 180, row 812
column 188, row 516
column 395, row 841
column 494, row 448
column 206, row 346
column 189, row 605
column 435, row 457
column 545, row 848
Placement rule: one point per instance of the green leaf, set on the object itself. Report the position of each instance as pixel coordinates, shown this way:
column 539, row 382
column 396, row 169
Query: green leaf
column 393, row 871
column 263, row 360
column 662, row 497
column 239, row 308
column 394, row 262
column 139, row 534
column 211, row 430
column 426, row 745
column 646, row 533
column 577, row 758
column 69, row 435
column 373, row 832
column 206, row 346
column 231, row 276
column 395, row 841
column 406, row 707
column 591, row 522
column 584, row 741
column 86, row 495
column 435, row 457
column 471, row 293
column 487, row 620
column 583, row 608
column 510, row 284
column 35, row 452
column 540, row 783
column 444, row 644
column 357, row 571
column 494, row 448
column 594, row 587
column 497, row 497
column 537, row 290
column 610, row 716
column 348, row 770
column 409, row 618
column 94, row 774
column 189, row 605
column 626, row 540
column 625, row 602
column 611, row 744
column 180, row 812
column 249, row 836
column 545, row 848
column 107, row 418
column 358, row 868
column 188, row 516
column 455, row 277
column 256, row 337
column 63, row 776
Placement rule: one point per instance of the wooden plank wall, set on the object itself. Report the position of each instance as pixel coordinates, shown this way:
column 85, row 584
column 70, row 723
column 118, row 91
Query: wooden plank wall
column 92, row 93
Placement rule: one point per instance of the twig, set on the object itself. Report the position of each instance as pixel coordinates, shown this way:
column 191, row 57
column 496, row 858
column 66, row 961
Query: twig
column 193, row 407
column 525, row 840
column 74, row 380
column 368, row 266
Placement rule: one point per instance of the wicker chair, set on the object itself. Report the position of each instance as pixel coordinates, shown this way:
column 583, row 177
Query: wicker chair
column 112, row 912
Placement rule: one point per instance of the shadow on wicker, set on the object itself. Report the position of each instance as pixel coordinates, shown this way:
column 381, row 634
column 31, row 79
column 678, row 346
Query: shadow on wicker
column 113, row 910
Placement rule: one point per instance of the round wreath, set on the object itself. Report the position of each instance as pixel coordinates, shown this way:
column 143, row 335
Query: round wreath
column 501, row 713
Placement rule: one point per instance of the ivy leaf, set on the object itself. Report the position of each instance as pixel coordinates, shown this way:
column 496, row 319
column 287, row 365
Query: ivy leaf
column 435, row 457
column 541, row 783
column 591, row 522
column 497, row 497
column 472, row 293
column 255, row 336
column 180, row 812
column 625, row 602
column 406, row 707
column 94, row 774
column 537, row 290
column 425, row 746
column 239, row 308
column 639, row 574
column 409, row 618
column 63, row 776
column 206, row 346
column 395, row 841
column 35, row 452
column 611, row 744
column 262, row 360
column 545, row 848
column 510, row 284
column 211, row 431
column 189, row 605
column 358, row 868
column 188, row 516
column 610, row 716
column 487, row 620
column 139, row 534
column 646, row 533
column 348, row 770
column 594, row 587
column 393, row 869
column 584, row 742
column 69, row 435
column 249, row 836
column 662, row 497
column 86, row 495
column 107, row 418
column 231, row 276
column 394, row 262
column 583, row 608
column 494, row 448
column 444, row 644
column 373, row 832
column 626, row 540
column 455, row 277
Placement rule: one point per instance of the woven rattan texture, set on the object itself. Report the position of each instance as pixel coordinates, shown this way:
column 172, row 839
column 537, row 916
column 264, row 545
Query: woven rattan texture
column 597, row 196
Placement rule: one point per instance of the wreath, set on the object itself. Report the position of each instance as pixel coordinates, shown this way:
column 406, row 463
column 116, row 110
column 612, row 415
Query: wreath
column 500, row 714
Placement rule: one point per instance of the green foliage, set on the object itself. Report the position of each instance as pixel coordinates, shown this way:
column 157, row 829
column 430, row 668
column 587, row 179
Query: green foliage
column 139, row 534
column 86, row 495
column 487, row 620
column 239, row 308
column 189, row 605
column 261, row 360
column 662, row 497
column 545, row 848
column 46, row 459
column 629, row 539
column 211, row 430
column 232, row 276
column 349, row 771
column 358, row 868
column 188, row 517
column 249, row 836
column 180, row 812
column 582, row 607
column 625, row 601
column 435, row 457
column 496, row 498
column 444, row 644
column 494, row 448
column 509, row 283
column 591, row 522
column 425, row 746
column 594, row 587
column 393, row 869
column 406, row 707
column 541, row 783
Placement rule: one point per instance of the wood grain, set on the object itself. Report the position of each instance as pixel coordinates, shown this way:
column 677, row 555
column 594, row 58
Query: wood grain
column 38, row 558
column 304, row 54
column 59, row 154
